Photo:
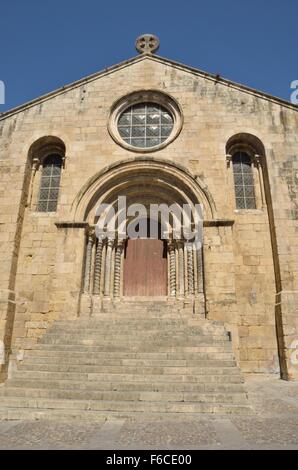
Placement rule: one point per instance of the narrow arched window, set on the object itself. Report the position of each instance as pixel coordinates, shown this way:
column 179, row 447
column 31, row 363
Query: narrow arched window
column 49, row 184
column 243, row 181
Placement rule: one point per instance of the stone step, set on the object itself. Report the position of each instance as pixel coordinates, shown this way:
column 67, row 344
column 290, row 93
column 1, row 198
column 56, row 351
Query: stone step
column 137, row 322
column 61, row 384
column 143, row 303
column 151, row 310
column 119, row 326
column 133, row 318
column 126, row 377
column 147, row 358
column 122, row 406
column 158, row 341
column 59, row 355
column 139, row 335
column 141, row 310
column 127, row 344
column 130, row 362
column 62, row 415
column 137, row 313
column 129, row 369
column 210, row 348
column 136, row 395
column 161, row 316
column 127, row 330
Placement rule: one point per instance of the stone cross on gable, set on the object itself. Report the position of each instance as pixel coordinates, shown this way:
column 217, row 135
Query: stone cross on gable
column 147, row 43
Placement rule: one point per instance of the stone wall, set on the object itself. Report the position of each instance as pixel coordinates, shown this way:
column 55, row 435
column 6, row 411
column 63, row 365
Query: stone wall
column 246, row 263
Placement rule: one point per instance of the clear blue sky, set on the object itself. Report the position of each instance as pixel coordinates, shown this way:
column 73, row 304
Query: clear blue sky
column 47, row 44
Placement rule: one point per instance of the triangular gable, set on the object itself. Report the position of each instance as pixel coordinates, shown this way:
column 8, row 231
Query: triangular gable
column 192, row 70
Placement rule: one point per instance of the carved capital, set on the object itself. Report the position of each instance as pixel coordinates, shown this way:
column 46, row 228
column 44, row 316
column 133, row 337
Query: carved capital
column 171, row 245
column 180, row 243
column 35, row 164
column 189, row 246
column 90, row 233
column 258, row 160
column 229, row 160
column 110, row 242
column 120, row 242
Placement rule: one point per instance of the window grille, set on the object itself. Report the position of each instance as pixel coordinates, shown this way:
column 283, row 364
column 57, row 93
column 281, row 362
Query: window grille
column 243, row 181
column 145, row 125
column 49, row 184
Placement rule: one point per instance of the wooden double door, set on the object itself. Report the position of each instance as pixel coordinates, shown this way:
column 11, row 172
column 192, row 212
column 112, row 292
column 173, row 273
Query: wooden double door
column 145, row 268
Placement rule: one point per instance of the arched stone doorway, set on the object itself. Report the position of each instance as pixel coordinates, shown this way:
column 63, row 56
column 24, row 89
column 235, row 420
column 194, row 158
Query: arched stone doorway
column 171, row 267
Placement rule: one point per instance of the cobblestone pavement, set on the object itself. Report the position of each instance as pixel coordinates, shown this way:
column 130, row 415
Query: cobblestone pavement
column 273, row 424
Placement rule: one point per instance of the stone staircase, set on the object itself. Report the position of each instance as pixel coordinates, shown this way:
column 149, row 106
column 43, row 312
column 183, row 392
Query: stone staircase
column 140, row 357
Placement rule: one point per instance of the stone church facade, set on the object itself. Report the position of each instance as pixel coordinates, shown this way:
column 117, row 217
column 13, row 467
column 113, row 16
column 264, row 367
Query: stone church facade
column 157, row 132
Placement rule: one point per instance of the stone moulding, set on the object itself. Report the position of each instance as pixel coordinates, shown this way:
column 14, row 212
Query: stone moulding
column 206, row 223
column 64, row 224
column 219, row 223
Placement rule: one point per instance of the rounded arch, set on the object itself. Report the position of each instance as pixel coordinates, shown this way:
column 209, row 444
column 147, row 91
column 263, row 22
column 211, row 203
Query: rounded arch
column 144, row 180
column 246, row 142
column 45, row 160
column 45, row 146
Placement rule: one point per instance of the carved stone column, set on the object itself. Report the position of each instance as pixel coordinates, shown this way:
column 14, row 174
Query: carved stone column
column 35, row 166
column 117, row 268
column 200, row 294
column 88, row 259
column 185, row 271
column 260, row 186
column 180, row 245
column 190, row 269
column 172, row 257
column 108, row 263
column 200, row 274
column 98, row 266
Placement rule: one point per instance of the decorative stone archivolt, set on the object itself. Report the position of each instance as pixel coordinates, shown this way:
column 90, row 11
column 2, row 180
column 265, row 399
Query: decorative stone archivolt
column 146, row 181
column 142, row 178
